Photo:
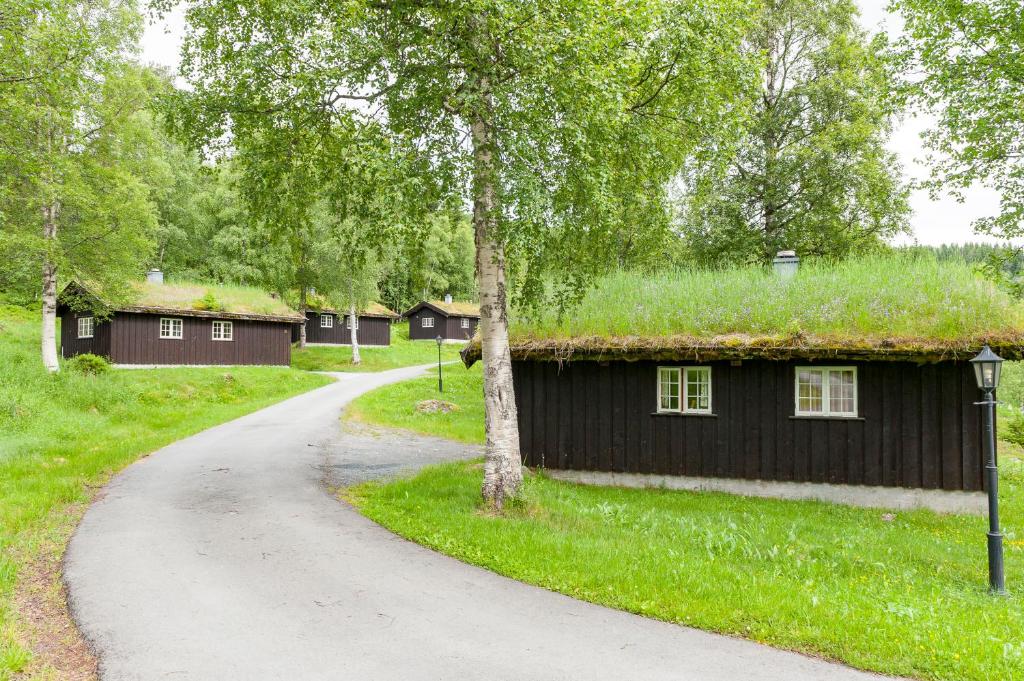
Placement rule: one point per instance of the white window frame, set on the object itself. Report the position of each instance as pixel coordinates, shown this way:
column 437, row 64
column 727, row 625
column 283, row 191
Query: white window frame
column 227, row 330
column 348, row 322
column 826, row 402
column 90, row 327
column 425, row 325
column 682, row 378
column 326, row 321
column 465, row 322
column 175, row 328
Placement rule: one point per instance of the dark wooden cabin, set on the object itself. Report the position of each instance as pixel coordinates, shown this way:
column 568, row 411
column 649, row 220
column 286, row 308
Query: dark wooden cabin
column 163, row 327
column 331, row 327
column 453, row 321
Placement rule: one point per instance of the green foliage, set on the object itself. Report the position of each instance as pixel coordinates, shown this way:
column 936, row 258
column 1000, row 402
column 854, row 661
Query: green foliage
column 394, row 405
column 88, row 364
column 902, row 596
column 63, row 435
column 810, row 170
column 963, row 64
column 401, row 353
column 208, row 302
column 896, row 296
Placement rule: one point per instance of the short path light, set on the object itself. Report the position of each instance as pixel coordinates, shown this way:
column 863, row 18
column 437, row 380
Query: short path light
column 440, row 383
column 987, row 366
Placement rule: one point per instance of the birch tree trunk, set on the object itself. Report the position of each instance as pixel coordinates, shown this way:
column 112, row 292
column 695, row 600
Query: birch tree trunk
column 353, row 322
column 49, row 336
column 503, row 473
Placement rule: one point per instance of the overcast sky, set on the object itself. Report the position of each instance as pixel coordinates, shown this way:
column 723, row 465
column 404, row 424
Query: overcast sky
column 934, row 222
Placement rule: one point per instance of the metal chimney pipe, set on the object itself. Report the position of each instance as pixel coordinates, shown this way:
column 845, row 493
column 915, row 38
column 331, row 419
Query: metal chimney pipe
column 786, row 264
column 155, row 276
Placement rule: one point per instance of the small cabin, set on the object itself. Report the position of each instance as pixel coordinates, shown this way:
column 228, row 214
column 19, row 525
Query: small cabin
column 693, row 394
column 328, row 326
column 173, row 325
column 451, row 320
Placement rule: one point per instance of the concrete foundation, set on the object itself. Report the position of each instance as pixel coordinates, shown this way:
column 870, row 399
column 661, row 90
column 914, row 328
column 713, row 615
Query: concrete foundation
column 941, row 501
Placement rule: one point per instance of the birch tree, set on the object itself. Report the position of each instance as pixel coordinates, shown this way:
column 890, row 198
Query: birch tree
column 547, row 114
column 73, row 136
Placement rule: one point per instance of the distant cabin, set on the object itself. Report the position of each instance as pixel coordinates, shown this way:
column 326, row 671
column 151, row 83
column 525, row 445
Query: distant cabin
column 331, row 327
column 862, row 420
column 451, row 320
column 165, row 324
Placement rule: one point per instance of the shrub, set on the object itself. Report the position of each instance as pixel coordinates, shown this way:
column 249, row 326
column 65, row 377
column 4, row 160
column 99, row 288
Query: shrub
column 89, row 364
column 209, row 303
column 1014, row 431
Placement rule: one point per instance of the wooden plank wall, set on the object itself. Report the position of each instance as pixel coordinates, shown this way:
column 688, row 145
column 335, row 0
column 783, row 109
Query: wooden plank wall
column 918, row 426
column 71, row 344
column 448, row 327
column 135, row 339
column 372, row 331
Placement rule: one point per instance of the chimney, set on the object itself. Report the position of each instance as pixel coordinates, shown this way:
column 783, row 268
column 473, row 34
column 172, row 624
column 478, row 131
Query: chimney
column 447, row 299
column 154, row 276
column 785, row 264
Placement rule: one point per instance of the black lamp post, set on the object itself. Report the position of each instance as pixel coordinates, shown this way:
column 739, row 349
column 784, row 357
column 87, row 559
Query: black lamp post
column 987, row 366
column 440, row 383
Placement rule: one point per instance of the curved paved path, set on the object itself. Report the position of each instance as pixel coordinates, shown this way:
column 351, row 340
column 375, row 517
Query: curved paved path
column 223, row 557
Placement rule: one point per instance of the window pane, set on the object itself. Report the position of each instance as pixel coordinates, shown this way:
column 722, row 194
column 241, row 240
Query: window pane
column 669, row 389
column 841, row 391
column 809, row 390
column 698, row 389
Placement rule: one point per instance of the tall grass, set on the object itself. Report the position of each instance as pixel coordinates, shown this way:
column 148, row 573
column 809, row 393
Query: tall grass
column 891, row 296
column 228, row 297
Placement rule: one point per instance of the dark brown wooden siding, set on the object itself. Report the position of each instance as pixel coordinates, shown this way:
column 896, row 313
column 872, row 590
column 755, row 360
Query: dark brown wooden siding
column 372, row 330
column 917, row 425
column 71, row 344
column 135, row 339
column 449, row 328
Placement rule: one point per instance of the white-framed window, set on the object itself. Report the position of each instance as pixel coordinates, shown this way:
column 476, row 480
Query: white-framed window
column 170, row 328
column 223, row 331
column 348, row 323
column 685, row 390
column 326, row 321
column 86, row 326
column 826, row 391
column 465, row 323
column 427, row 322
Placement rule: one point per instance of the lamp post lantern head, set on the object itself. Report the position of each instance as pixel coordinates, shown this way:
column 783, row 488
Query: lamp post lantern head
column 439, row 340
column 987, row 366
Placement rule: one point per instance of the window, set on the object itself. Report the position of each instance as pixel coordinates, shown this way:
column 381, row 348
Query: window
column 427, row 322
column 170, row 328
column 348, row 323
column 85, row 327
column 685, row 390
column 465, row 323
column 223, row 331
column 326, row 321
column 826, row 391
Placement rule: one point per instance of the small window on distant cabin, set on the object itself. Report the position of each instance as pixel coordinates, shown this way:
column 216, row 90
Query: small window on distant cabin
column 697, row 390
column 669, row 389
column 465, row 323
column 170, row 328
column 85, row 327
column 223, row 331
column 428, row 322
column 826, row 391
column 348, row 323
column 326, row 321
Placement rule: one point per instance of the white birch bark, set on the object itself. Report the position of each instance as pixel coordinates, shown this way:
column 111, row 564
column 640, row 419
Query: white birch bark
column 49, row 335
column 503, row 473
column 302, row 309
column 353, row 322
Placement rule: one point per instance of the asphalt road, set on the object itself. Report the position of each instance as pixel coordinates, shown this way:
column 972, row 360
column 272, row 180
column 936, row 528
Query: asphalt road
column 223, row 557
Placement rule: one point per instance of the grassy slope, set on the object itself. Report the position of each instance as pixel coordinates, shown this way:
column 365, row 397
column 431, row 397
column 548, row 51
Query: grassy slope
column 61, row 436
column 877, row 297
column 401, row 353
column 395, row 405
column 904, row 597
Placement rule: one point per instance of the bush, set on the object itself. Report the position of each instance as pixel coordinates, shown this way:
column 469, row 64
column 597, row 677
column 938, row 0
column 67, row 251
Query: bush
column 89, row 364
column 1014, row 431
column 209, row 303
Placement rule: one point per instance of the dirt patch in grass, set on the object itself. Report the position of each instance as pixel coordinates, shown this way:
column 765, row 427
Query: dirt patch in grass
column 44, row 625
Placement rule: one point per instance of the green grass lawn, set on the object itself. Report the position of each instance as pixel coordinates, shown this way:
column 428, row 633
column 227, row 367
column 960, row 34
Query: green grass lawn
column 905, row 596
column 395, row 405
column 401, row 353
column 62, row 436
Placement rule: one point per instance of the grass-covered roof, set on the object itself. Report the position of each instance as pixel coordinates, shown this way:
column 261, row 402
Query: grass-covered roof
column 319, row 303
column 202, row 300
column 453, row 309
column 888, row 307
